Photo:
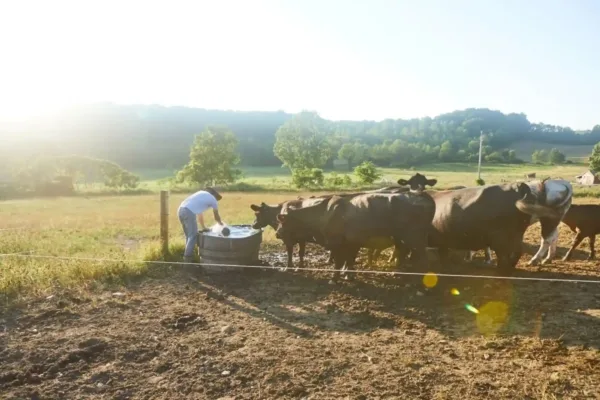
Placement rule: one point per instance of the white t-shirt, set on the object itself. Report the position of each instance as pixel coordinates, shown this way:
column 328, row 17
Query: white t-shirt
column 200, row 202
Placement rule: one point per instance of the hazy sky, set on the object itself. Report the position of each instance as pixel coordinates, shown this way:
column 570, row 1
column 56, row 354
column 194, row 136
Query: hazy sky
column 367, row 59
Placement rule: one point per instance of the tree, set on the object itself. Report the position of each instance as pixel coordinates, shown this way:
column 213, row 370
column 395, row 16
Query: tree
column 446, row 151
column 367, row 172
column 347, row 152
column 556, row 156
column 353, row 153
column 302, row 142
column 540, row 157
column 595, row 158
column 213, row 157
column 307, row 177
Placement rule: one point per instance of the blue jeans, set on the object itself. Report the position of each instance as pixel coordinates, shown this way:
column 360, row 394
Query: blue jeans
column 190, row 229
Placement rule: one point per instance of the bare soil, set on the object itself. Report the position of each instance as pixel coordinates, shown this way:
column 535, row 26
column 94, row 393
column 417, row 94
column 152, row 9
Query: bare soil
column 292, row 335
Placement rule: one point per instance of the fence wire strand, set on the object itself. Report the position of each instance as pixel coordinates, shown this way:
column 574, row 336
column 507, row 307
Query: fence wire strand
column 272, row 267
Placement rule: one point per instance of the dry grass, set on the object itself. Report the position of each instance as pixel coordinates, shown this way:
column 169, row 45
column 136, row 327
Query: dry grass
column 120, row 227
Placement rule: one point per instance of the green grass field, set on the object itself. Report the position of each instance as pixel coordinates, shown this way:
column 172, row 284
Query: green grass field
column 127, row 227
column 447, row 174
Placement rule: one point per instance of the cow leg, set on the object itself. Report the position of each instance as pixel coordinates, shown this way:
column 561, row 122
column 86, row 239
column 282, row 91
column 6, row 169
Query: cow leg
column 400, row 254
column 552, row 240
column 372, row 254
column 508, row 250
column 488, row 256
column 443, row 255
column 505, row 262
column 469, row 255
column 394, row 255
column 578, row 239
column 301, row 252
column 330, row 259
column 351, row 253
column 289, row 246
column 549, row 237
column 417, row 243
column 508, row 259
column 592, row 250
column 338, row 259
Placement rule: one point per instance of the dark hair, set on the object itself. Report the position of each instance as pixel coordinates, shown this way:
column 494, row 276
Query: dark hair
column 214, row 193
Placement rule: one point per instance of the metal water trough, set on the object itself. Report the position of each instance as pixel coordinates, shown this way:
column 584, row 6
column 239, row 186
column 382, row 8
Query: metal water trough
column 241, row 247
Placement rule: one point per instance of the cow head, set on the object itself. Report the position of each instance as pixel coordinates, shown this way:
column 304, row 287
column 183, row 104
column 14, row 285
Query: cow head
column 417, row 182
column 265, row 215
column 525, row 192
column 289, row 226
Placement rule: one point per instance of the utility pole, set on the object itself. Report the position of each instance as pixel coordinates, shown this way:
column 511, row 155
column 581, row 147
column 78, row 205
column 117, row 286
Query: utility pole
column 480, row 151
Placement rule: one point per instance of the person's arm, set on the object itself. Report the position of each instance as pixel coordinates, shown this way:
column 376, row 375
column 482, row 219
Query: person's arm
column 217, row 216
column 201, row 219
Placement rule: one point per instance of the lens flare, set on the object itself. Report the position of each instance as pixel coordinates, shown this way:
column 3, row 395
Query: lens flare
column 472, row 309
column 454, row 291
column 430, row 280
column 491, row 317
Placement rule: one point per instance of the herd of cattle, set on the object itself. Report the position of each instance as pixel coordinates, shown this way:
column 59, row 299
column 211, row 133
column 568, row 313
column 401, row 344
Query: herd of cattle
column 412, row 219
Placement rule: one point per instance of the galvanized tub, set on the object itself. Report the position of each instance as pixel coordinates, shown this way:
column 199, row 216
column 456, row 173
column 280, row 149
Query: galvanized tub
column 241, row 247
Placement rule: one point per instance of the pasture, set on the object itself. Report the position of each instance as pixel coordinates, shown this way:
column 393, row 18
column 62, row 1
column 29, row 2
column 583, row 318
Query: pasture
column 132, row 330
column 277, row 179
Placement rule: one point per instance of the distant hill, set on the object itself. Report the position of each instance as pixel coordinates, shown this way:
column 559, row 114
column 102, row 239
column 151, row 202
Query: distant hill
column 157, row 137
column 575, row 153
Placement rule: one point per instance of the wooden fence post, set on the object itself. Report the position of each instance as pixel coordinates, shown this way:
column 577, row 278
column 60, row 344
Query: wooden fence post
column 164, row 221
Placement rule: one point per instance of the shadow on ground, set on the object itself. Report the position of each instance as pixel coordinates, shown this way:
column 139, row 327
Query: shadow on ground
column 305, row 303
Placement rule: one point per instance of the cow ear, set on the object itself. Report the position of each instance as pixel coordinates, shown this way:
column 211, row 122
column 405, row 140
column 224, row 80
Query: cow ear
column 523, row 189
column 402, row 182
column 281, row 217
column 254, row 207
column 431, row 182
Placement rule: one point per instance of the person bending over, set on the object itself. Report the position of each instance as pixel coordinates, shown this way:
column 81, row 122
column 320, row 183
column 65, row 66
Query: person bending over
column 193, row 206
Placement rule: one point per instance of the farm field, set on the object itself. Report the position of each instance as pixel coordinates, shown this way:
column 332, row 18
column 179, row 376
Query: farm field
column 127, row 330
column 448, row 175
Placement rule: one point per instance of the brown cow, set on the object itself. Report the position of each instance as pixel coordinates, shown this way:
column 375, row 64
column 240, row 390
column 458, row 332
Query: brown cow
column 266, row 215
column 346, row 224
column 497, row 216
column 584, row 220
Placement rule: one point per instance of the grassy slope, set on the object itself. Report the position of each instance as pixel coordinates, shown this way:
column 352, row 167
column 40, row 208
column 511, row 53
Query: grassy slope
column 448, row 174
column 575, row 153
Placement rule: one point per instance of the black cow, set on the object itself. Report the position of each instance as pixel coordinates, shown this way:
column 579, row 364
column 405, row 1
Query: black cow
column 373, row 254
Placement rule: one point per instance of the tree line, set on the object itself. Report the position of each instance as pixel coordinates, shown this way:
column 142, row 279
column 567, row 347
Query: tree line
column 304, row 145
column 139, row 136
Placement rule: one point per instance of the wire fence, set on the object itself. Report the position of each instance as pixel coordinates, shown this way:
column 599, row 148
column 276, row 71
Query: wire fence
column 30, row 255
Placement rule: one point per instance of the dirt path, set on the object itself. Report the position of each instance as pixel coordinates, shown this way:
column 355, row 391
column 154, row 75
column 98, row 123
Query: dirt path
column 285, row 335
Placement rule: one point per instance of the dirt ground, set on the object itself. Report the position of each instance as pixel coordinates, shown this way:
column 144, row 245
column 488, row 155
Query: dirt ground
column 292, row 335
